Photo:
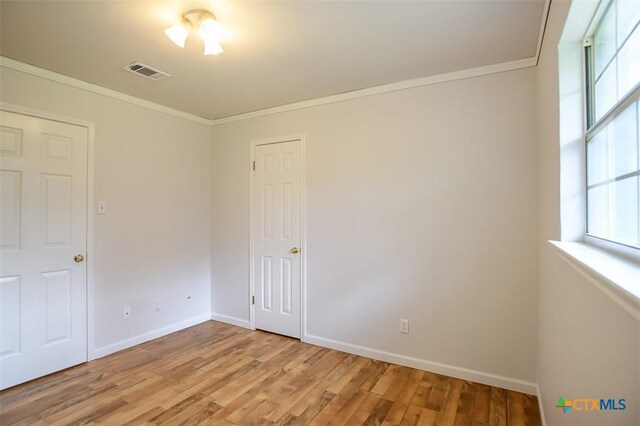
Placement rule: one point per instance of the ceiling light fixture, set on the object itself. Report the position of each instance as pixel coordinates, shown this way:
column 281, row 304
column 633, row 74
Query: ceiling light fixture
column 208, row 28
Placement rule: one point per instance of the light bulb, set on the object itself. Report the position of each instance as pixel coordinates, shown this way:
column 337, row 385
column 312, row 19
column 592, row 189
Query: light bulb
column 178, row 34
column 211, row 33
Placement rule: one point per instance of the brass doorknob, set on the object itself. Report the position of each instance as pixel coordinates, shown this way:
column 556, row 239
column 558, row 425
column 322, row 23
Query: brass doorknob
column 78, row 258
column 294, row 250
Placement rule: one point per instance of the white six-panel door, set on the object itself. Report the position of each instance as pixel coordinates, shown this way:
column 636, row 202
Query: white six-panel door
column 43, row 190
column 276, row 237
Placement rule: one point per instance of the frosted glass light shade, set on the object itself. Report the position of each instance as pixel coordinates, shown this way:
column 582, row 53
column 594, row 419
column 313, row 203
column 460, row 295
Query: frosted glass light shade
column 178, row 34
column 212, row 48
column 211, row 33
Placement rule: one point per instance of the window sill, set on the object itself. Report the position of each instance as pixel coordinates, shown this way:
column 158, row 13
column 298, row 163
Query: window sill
column 617, row 278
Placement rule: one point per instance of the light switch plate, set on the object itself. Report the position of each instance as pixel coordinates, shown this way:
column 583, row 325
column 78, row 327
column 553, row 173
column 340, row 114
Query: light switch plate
column 102, row 207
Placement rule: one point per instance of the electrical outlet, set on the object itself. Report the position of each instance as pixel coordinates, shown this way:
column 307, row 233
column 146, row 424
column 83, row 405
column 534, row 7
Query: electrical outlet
column 404, row 326
column 188, row 299
column 126, row 313
column 156, row 305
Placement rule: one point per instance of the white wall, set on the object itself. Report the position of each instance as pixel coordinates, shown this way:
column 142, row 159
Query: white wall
column 589, row 347
column 421, row 204
column 152, row 169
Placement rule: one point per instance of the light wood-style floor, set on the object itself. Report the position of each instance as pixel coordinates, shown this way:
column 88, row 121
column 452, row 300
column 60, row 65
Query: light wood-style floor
column 214, row 373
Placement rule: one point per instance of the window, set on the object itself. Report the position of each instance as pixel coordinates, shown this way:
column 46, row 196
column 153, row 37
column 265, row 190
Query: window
column 612, row 58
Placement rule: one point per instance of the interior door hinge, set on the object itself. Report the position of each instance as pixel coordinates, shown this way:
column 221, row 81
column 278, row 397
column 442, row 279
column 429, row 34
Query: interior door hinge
column 254, row 165
column 253, row 300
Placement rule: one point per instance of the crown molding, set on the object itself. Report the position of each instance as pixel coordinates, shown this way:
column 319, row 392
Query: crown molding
column 94, row 88
column 387, row 88
column 393, row 87
column 406, row 84
column 377, row 90
column 543, row 28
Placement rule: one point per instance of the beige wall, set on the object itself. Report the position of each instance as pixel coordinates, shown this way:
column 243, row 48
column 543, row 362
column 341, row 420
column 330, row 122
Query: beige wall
column 588, row 345
column 421, row 204
column 152, row 169
column 433, row 204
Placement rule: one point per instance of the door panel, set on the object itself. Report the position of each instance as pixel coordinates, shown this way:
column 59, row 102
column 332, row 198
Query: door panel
column 43, row 184
column 56, row 210
column 285, row 286
column 267, row 287
column 10, row 199
column 277, row 230
column 10, row 316
column 56, row 306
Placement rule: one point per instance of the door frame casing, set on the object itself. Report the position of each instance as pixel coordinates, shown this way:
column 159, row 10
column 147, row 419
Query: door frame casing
column 90, row 126
column 303, row 235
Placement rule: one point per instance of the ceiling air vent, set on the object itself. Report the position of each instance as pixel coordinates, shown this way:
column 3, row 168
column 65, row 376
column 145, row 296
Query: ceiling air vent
column 145, row 71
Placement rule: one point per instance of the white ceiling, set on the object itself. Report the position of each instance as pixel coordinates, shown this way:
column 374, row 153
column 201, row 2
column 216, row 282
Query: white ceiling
column 276, row 52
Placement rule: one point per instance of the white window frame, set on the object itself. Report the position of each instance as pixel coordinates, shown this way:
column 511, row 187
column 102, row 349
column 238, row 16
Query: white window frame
column 593, row 126
column 608, row 269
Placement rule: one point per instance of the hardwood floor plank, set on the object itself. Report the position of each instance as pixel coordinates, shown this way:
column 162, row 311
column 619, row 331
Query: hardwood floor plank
column 130, row 411
column 515, row 408
column 343, row 379
column 465, row 406
column 532, row 411
column 218, row 374
column 421, row 397
column 312, row 410
column 194, row 414
column 379, row 412
column 364, row 410
column 427, row 417
column 375, row 371
column 330, row 410
column 416, row 415
column 438, row 394
column 283, row 349
column 28, row 392
column 411, row 416
column 144, row 417
column 41, row 404
column 385, row 381
column 242, row 385
column 288, row 419
column 239, row 415
column 365, row 378
column 96, row 414
column 303, row 357
column 271, row 385
column 403, row 399
column 308, row 398
column 176, row 408
column 482, row 404
column 447, row 415
column 354, row 400
column 285, row 404
column 71, row 404
column 203, row 414
column 287, row 356
column 255, row 417
column 342, row 368
column 498, row 408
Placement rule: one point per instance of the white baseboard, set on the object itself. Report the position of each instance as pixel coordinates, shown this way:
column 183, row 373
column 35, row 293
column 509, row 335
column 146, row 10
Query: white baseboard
column 541, row 406
column 423, row 364
column 127, row 343
column 231, row 320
